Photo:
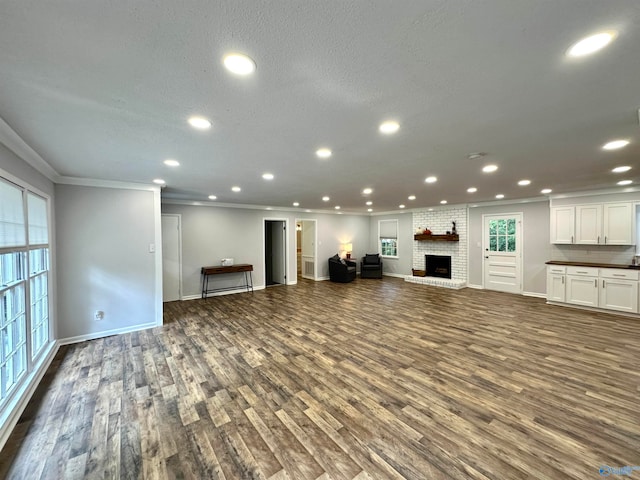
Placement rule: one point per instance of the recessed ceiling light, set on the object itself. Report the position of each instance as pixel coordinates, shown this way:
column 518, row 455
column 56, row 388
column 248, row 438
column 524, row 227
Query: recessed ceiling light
column 489, row 168
column 524, row 183
column 172, row 163
column 476, row 155
column 159, row 181
column 337, row 207
column 212, row 197
column 267, row 176
column 625, row 182
column 325, row 199
column 591, row 44
column 367, row 191
column 239, row 64
column 389, row 127
column 622, row 169
column 401, row 206
column 411, row 197
column 323, row 153
column 546, row 191
column 431, row 179
column 269, row 208
column 339, row 213
column 615, row 144
column 369, row 202
column 308, row 211
column 369, row 209
column 443, row 202
column 235, row 189
column 296, row 204
column 472, row 189
column 200, row 123
column 499, row 196
column 431, row 209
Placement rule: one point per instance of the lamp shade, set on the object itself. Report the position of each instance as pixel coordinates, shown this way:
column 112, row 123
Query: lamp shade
column 348, row 247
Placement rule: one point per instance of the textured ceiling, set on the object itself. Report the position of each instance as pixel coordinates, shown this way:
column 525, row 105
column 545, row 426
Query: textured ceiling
column 103, row 90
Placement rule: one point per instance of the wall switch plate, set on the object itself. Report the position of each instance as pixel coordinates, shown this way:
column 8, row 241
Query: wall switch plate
column 152, row 248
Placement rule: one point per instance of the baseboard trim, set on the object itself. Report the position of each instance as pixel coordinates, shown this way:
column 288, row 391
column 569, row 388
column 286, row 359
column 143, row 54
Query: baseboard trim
column 218, row 294
column 396, row 275
column 477, row 287
column 534, row 294
column 15, row 408
column 106, row 333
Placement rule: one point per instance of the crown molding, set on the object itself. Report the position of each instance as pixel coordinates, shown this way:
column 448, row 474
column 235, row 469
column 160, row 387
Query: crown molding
column 94, row 182
column 14, row 142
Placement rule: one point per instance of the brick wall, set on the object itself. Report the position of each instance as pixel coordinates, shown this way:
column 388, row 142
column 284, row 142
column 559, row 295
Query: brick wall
column 439, row 222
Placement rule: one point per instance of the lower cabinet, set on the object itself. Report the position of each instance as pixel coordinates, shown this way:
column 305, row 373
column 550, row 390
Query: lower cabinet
column 609, row 288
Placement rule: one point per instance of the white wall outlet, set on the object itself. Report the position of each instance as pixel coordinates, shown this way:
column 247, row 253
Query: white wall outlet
column 99, row 315
column 152, row 248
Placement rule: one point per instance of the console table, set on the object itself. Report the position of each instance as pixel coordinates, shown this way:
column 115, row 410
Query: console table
column 219, row 270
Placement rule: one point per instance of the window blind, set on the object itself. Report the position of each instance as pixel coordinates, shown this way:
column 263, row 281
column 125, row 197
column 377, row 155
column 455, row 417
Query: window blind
column 38, row 228
column 12, row 231
column 388, row 228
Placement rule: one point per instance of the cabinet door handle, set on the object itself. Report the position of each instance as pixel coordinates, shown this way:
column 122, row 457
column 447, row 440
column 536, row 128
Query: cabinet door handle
column 585, row 273
column 596, row 282
column 571, row 238
column 598, row 238
column 618, row 275
column 602, row 283
column 563, row 279
column 605, row 240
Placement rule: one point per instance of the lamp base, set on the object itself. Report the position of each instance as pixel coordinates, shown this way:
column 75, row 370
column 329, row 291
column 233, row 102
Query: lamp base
column 348, row 255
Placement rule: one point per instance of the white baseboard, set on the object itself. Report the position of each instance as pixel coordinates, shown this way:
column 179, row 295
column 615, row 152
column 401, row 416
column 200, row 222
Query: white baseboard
column 396, row 275
column 477, row 287
column 217, row 294
column 16, row 406
column 534, row 294
column 105, row 333
column 321, row 279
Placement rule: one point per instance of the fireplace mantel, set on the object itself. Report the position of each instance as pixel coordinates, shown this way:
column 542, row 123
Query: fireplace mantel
column 421, row 237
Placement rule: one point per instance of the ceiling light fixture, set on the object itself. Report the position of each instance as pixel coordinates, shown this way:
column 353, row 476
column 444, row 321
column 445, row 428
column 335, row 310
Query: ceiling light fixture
column 401, row 206
column 367, row 191
column 235, row 189
column 625, row 182
column 323, row 153
column 239, row 63
column 411, row 197
column 369, row 209
column 159, row 181
column 171, row 163
column 499, row 196
column 325, row 199
column 296, row 204
column 443, row 202
column 267, row 176
column 591, row 44
column 621, row 169
column 212, row 197
column 200, row 123
column 489, row 168
column 524, row 183
column 389, row 127
column 615, row 144
column 472, row 189
column 476, row 155
column 369, row 202
column 431, row 179
column 546, row 191
column 337, row 207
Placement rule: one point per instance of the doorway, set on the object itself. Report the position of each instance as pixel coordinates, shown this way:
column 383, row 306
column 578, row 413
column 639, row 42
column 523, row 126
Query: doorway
column 306, row 246
column 502, row 266
column 275, row 252
column 171, row 258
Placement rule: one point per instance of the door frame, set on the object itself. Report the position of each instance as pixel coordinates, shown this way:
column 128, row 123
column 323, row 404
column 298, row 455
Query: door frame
column 179, row 217
column 286, row 248
column 520, row 249
column 315, row 247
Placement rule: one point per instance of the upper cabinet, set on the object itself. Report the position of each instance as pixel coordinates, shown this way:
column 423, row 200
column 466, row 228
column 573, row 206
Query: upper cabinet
column 593, row 224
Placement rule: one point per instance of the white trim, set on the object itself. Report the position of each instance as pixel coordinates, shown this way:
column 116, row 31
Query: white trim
column 206, row 203
column 95, row 182
column 106, row 333
column 477, row 287
column 292, row 283
column 218, row 294
column 157, row 231
column 287, row 231
column 396, row 275
column 519, row 240
column 10, row 139
column 316, row 268
column 322, row 279
column 15, row 408
column 179, row 217
column 593, row 309
column 589, row 193
column 534, row 294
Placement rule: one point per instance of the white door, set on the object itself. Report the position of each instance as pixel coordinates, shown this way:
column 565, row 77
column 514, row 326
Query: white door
column 171, row 276
column 562, row 224
column 555, row 287
column 279, row 253
column 618, row 224
column 308, row 249
column 502, row 252
column 582, row 290
column 619, row 295
column 589, row 224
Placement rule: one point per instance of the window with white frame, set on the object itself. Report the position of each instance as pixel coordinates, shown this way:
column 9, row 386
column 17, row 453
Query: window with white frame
column 24, row 284
column 388, row 235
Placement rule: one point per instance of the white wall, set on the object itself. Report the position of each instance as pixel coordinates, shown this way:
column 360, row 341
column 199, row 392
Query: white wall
column 535, row 242
column 402, row 264
column 210, row 233
column 103, row 237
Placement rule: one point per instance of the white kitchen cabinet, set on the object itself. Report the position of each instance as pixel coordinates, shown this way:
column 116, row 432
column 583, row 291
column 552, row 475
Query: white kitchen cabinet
column 562, row 227
column 593, row 224
column 556, row 283
column 582, row 286
column 589, row 224
column 619, row 290
column 618, row 224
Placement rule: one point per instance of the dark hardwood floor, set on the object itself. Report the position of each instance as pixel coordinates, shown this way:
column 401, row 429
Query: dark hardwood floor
column 376, row 379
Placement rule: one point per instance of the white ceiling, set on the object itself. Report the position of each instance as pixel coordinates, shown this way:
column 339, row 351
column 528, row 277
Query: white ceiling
column 103, row 90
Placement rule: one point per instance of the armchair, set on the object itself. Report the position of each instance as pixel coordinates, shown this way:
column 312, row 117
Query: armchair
column 371, row 266
column 341, row 272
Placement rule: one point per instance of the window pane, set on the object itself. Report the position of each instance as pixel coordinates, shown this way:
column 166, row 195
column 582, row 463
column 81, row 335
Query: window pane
column 502, row 227
column 493, row 227
column 11, row 268
column 502, row 244
column 493, row 244
column 511, row 226
column 12, row 229
column 511, row 243
column 389, row 247
column 39, row 260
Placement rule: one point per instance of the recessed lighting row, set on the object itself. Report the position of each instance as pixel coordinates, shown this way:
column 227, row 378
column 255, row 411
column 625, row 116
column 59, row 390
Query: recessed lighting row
column 387, row 127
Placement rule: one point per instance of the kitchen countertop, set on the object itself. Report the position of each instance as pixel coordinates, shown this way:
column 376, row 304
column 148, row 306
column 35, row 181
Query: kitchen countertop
column 588, row 264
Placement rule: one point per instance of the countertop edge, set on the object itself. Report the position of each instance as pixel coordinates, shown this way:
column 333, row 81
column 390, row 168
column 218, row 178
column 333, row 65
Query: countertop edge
column 589, row 264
